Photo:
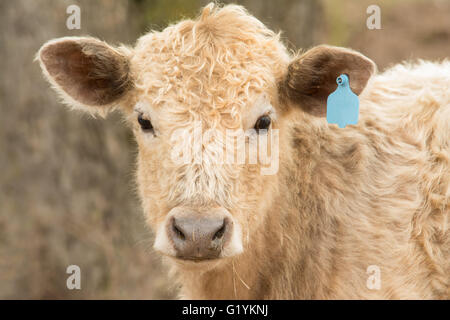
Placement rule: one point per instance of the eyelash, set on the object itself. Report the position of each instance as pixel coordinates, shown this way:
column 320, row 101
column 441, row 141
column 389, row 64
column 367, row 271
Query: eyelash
column 263, row 123
column 145, row 124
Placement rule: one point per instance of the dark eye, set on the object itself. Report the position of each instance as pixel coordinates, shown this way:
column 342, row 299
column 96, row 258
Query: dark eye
column 263, row 123
column 145, row 124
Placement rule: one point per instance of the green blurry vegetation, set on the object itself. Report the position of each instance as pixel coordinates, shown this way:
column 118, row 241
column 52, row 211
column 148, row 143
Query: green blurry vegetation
column 157, row 14
column 335, row 22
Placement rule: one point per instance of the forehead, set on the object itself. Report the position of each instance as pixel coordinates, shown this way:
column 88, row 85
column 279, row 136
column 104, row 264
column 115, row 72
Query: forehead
column 217, row 64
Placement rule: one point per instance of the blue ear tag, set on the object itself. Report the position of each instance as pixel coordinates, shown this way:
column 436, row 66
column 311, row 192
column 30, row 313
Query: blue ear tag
column 343, row 104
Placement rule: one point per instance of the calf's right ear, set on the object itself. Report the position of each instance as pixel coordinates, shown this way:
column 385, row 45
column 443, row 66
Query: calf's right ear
column 86, row 72
column 311, row 77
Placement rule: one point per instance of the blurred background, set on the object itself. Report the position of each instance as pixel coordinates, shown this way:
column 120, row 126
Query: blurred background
column 67, row 192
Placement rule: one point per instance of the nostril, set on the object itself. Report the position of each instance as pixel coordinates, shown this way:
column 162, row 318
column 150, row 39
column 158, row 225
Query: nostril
column 178, row 232
column 219, row 234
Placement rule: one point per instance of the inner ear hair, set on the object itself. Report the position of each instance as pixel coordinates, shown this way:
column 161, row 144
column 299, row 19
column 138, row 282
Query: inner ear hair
column 87, row 70
column 311, row 77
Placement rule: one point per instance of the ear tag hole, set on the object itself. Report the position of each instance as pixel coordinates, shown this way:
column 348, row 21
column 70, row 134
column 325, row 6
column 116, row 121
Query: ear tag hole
column 342, row 104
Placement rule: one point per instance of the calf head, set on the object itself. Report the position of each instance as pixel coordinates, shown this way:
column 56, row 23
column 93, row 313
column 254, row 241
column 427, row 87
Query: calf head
column 187, row 92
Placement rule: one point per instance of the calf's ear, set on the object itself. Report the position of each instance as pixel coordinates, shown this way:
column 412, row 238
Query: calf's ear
column 311, row 77
column 86, row 72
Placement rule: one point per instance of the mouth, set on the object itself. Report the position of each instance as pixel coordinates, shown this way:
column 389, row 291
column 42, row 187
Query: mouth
column 197, row 264
column 197, row 259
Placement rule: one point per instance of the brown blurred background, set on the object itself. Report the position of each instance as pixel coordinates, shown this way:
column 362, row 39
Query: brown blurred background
column 66, row 180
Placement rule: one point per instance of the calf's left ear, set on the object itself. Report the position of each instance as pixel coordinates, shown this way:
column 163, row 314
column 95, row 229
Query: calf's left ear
column 311, row 77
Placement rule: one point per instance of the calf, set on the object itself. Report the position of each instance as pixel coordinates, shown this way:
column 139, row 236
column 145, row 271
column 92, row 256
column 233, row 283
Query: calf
column 328, row 206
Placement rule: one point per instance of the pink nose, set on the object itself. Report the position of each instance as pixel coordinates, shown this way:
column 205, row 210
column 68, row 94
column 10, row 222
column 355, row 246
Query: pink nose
column 199, row 238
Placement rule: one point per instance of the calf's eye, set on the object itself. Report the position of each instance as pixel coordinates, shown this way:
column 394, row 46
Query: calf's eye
column 146, row 124
column 263, row 123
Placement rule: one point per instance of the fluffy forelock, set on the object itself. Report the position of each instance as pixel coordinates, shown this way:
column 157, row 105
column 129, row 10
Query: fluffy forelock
column 210, row 68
